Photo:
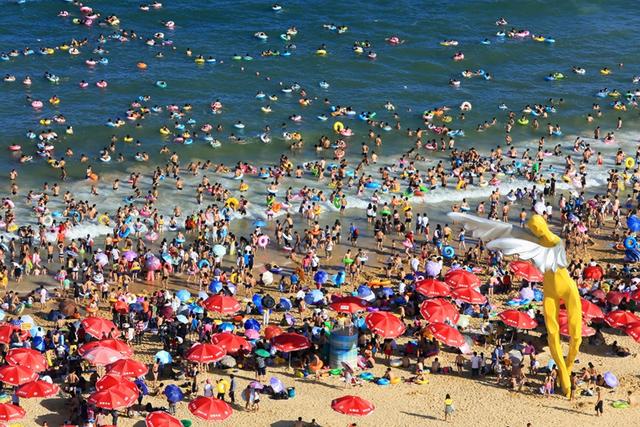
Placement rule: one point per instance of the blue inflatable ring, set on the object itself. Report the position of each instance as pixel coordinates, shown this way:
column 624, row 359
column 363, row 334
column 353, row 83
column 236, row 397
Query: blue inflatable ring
column 630, row 242
column 448, row 252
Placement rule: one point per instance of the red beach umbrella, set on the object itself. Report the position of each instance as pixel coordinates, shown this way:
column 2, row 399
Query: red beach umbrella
column 599, row 295
column 210, row 409
column 6, row 329
column 98, row 326
column 468, row 295
column 620, row 319
column 593, row 272
column 590, row 310
column 128, row 368
column 439, row 311
column 349, row 305
column 636, row 295
column 27, row 357
column 272, row 331
column 205, row 353
column 10, row 412
column 352, row 405
column 112, row 343
column 161, row 419
column 121, row 307
column 231, row 343
column 633, row 331
column 112, row 380
column 586, row 330
column 37, row 388
column 17, row 375
column 526, row 270
column 447, row 334
column 432, row 288
column 517, row 319
column 385, row 324
column 116, row 397
column 289, row 342
column 102, row 356
column 615, row 297
column 461, row 278
column 221, row 304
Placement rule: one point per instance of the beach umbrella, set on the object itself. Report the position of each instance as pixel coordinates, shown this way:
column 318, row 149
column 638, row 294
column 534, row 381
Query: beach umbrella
column 205, row 353
column 599, row 295
column 633, row 331
column 231, row 343
column 102, row 259
column 11, row 412
column 38, row 388
column 439, row 311
column 183, row 295
column 289, row 342
column 221, row 304
column 349, row 305
column 621, row 319
column 267, row 278
column 153, row 263
column 227, row 362
column 590, row 310
column 161, row 419
column 98, row 326
column 586, row 330
column 215, row 286
column 116, row 397
column 219, row 250
column 272, row 331
column 447, row 334
column 226, row 327
column 30, row 358
column 515, row 356
column 121, row 307
column 526, row 270
column 461, row 279
column 261, row 352
column 252, row 334
column 252, row 324
column 173, row 393
column 517, row 319
column 210, row 409
column 163, row 357
column 365, row 293
column 111, row 380
column 17, row 375
column 352, row 405
column 468, row 295
column 321, row 277
column 128, row 368
column 593, row 272
column 633, row 222
column 385, row 324
column 313, row 297
column 112, row 343
column 527, row 294
column 285, row 304
column 433, row 268
column 432, row 288
column 102, row 356
column 6, row 330
column 68, row 307
column 276, row 385
column 129, row 255
column 615, row 297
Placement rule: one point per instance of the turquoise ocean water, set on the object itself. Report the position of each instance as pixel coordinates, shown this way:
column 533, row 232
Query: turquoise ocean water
column 414, row 76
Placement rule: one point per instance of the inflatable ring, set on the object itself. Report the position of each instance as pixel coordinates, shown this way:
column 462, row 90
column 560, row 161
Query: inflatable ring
column 338, row 127
column 382, row 381
column 366, row 376
column 629, row 163
column 620, row 404
column 337, row 203
column 395, row 363
column 448, row 252
column 233, row 203
column 630, row 242
column 75, row 215
column 12, row 228
column 47, row 221
column 396, row 380
column 203, row 263
column 103, row 220
column 421, row 382
column 263, row 241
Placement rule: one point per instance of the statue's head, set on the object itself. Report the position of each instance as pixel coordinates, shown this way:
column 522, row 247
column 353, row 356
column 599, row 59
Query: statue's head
column 539, row 227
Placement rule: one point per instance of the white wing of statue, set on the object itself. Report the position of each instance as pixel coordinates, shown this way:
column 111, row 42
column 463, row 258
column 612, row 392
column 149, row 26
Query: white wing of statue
column 498, row 236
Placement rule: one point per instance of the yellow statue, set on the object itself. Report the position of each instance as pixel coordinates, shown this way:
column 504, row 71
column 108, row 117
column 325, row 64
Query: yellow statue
column 549, row 256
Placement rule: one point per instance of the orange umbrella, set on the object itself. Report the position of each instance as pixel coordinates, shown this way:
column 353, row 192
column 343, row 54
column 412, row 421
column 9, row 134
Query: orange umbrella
column 461, row 278
column 98, row 326
column 439, row 311
column 526, row 270
column 385, row 324
column 112, row 343
column 121, row 307
column 447, row 334
column 468, row 295
column 161, row 419
column 27, row 357
column 37, row 388
column 128, row 368
column 116, row 397
column 432, row 288
column 10, row 412
column 17, row 375
column 517, row 319
column 210, row 409
column 231, row 343
column 352, row 405
column 205, row 353
column 221, row 304
column 272, row 331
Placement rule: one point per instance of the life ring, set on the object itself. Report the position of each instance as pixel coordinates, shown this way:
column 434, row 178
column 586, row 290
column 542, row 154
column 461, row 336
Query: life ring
column 448, row 252
column 123, row 234
column 396, row 380
column 337, row 203
column 629, row 163
column 141, row 66
column 103, row 220
column 263, row 241
column 47, row 221
column 338, row 127
column 630, row 242
column 75, row 215
column 203, row 263
column 233, row 203
column 382, row 381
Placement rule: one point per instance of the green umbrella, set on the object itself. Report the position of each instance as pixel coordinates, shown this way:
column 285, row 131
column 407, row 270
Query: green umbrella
column 262, row 352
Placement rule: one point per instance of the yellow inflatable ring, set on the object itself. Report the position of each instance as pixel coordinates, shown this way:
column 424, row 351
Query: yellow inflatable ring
column 103, row 219
column 338, row 126
column 629, row 163
column 233, row 203
column 12, row 228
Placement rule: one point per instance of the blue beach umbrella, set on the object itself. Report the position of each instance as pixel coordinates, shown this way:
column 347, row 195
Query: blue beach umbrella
column 633, row 223
column 183, row 295
column 215, row 286
column 313, row 297
column 219, row 250
column 285, row 303
column 339, row 278
column 173, row 393
column 366, row 293
column 257, row 300
column 142, row 386
column 321, row 277
column 252, row 324
column 226, row 327
column 260, row 223
column 164, row 357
